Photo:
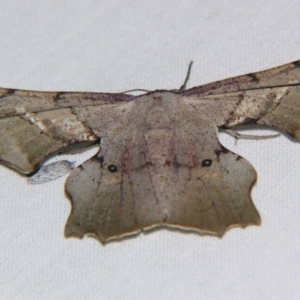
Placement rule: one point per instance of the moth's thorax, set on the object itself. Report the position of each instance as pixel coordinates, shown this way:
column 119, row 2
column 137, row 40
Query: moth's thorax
column 160, row 109
column 160, row 113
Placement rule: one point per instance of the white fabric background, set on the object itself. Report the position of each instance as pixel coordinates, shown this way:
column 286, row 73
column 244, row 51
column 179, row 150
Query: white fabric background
column 110, row 46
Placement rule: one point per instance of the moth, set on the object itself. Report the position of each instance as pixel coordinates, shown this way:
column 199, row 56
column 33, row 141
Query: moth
column 160, row 161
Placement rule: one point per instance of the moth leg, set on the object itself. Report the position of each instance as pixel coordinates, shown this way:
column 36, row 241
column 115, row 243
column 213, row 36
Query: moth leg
column 51, row 172
column 238, row 135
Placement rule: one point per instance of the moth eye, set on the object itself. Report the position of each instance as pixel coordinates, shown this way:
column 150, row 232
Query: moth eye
column 112, row 168
column 206, row 163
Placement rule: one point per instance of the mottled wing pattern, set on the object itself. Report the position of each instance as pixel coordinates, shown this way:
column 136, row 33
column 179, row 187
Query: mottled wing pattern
column 268, row 98
column 287, row 74
column 34, row 125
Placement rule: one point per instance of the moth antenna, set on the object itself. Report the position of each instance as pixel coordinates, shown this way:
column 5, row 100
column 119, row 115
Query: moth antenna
column 183, row 87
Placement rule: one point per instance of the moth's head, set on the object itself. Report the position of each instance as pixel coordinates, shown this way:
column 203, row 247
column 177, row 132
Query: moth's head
column 158, row 108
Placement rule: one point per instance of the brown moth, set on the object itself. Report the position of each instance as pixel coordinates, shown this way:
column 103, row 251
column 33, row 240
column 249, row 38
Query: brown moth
column 160, row 162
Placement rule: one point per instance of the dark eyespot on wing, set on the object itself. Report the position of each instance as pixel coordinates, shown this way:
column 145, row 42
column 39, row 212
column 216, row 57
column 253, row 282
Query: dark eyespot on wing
column 112, row 168
column 206, row 163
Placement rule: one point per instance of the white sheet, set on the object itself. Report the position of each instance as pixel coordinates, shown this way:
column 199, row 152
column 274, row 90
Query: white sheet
column 110, row 46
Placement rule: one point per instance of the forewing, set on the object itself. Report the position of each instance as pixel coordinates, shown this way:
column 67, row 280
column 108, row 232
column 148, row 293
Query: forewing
column 34, row 125
column 270, row 98
column 287, row 74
